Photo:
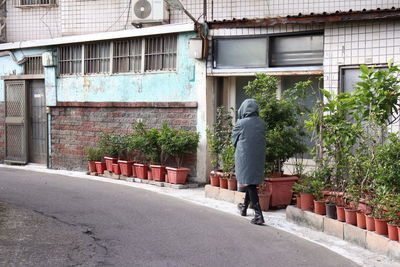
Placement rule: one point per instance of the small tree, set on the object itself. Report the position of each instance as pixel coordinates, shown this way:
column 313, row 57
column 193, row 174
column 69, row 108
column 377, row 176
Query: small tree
column 93, row 154
column 111, row 144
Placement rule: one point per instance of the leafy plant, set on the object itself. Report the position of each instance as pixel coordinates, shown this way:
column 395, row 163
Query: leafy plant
column 111, row 144
column 312, row 183
column 282, row 117
column 177, row 143
column 228, row 161
column 93, row 154
column 392, row 205
column 219, row 136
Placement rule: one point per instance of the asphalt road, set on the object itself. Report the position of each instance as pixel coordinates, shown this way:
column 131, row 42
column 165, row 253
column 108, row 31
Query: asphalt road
column 54, row 220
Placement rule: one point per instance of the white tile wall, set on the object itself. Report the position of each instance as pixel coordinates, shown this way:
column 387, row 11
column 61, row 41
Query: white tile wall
column 73, row 17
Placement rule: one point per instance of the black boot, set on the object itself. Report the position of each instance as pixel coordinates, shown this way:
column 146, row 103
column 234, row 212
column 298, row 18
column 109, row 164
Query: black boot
column 243, row 207
column 258, row 217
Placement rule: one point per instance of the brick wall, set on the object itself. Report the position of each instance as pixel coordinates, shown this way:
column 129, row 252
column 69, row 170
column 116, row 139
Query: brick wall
column 73, row 128
column 2, row 131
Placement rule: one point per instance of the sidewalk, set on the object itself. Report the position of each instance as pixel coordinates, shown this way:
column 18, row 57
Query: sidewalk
column 275, row 219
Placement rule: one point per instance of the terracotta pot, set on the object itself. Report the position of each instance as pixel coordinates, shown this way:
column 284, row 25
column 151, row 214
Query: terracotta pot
column 166, row 178
column 381, row 227
column 177, row 175
column 232, row 184
column 398, row 232
column 351, row 216
column 369, row 222
column 134, row 170
column 281, row 190
column 116, row 169
column 92, row 166
column 307, row 201
column 223, row 183
column 393, row 233
column 264, row 199
column 109, row 162
column 319, row 207
column 331, row 210
column 125, row 167
column 214, row 179
column 340, row 214
column 361, row 219
column 298, row 202
column 100, row 167
column 158, row 172
column 149, row 175
column 141, row 170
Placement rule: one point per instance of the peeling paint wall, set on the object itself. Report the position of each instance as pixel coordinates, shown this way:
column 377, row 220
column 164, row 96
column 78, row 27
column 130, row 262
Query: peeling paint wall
column 148, row 87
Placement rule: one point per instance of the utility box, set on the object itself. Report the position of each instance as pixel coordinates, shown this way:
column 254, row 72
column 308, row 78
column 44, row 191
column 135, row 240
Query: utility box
column 196, row 48
column 48, row 59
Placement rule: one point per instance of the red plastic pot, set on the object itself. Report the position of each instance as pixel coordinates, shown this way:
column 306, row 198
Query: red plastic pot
column 361, row 219
column 223, row 183
column 393, row 233
column 264, row 199
column 351, row 216
column 100, row 167
column 340, row 214
column 232, row 184
column 109, row 162
column 158, row 172
column 149, row 175
column 177, row 175
column 319, row 207
column 214, row 179
column 381, row 227
column 141, row 170
column 281, row 190
column 116, row 169
column 92, row 166
column 298, row 202
column 125, row 167
column 369, row 222
column 307, row 201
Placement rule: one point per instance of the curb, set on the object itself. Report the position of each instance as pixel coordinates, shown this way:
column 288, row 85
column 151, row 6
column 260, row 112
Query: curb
column 360, row 237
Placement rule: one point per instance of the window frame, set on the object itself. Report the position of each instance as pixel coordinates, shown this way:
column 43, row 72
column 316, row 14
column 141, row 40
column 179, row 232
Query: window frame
column 20, row 4
column 343, row 68
column 112, row 43
column 214, row 55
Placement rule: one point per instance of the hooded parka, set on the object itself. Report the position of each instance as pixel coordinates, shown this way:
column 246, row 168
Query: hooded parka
column 248, row 136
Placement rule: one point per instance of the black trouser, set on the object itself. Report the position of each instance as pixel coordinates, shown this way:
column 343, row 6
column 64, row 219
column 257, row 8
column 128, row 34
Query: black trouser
column 251, row 194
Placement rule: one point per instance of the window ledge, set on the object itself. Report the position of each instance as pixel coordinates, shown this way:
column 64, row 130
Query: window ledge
column 277, row 71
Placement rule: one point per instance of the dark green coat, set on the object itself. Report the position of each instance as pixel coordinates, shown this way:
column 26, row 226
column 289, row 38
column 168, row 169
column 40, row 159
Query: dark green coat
column 248, row 137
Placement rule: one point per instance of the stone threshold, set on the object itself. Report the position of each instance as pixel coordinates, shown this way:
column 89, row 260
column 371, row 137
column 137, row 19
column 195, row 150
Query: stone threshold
column 224, row 194
column 361, row 237
column 111, row 175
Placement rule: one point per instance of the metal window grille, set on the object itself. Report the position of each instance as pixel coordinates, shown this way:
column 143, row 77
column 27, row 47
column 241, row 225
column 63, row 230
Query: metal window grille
column 70, row 59
column 127, row 56
column 33, row 65
column 97, row 57
column 36, row 2
column 160, row 53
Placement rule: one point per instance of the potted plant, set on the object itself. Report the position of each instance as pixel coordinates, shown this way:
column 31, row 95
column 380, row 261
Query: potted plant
column 138, row 144
column 218, row 140
column 93, row 155
column 110, row 144
column 263, row 196
column 392, row 206
column 283, row 134
column 178, row 143
column 228, row 163
column 305, row 190
column 157, row 155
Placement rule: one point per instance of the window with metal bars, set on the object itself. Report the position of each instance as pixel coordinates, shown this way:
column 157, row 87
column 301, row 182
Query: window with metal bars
column 160, row 53
column 33, row 65
column 97, row 57
column 70, row 59
column 127, row 55
column 150, row 54
column 35, row 2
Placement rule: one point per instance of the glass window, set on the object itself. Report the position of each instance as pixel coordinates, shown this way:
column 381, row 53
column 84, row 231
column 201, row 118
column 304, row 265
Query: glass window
column 241, row 53
column 70, row 59
column 127, row 56
column 296, row 50
column 97, row 57
column 160, row 53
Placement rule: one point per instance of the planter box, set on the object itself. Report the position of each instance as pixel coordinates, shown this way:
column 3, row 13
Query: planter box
column 141, row 170
column 232, row 184
column 100, row 167
column 281, row 190
column 109, row 162
column 177, row 175
column 116, row 169
column 264, row 199
column 126, row 167
column 158, row 172
column 92, row 166
column 214, row 179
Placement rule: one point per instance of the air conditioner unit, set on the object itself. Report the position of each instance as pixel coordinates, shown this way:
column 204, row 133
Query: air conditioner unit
column 149, row 11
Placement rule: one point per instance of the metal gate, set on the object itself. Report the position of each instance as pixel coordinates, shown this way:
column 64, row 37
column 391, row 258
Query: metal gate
column 16, row 122
column 37, row 122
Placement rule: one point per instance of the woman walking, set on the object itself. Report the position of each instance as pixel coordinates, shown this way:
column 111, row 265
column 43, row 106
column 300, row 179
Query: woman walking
column 248, row 137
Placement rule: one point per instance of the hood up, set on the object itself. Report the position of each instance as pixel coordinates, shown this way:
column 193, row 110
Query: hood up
column 248, row 108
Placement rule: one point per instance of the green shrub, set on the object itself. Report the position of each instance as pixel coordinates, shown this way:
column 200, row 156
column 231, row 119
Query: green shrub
column 111, row 144
column 93, row 154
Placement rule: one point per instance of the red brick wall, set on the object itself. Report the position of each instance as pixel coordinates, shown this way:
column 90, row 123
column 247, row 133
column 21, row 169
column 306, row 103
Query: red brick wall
column 74, row 128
